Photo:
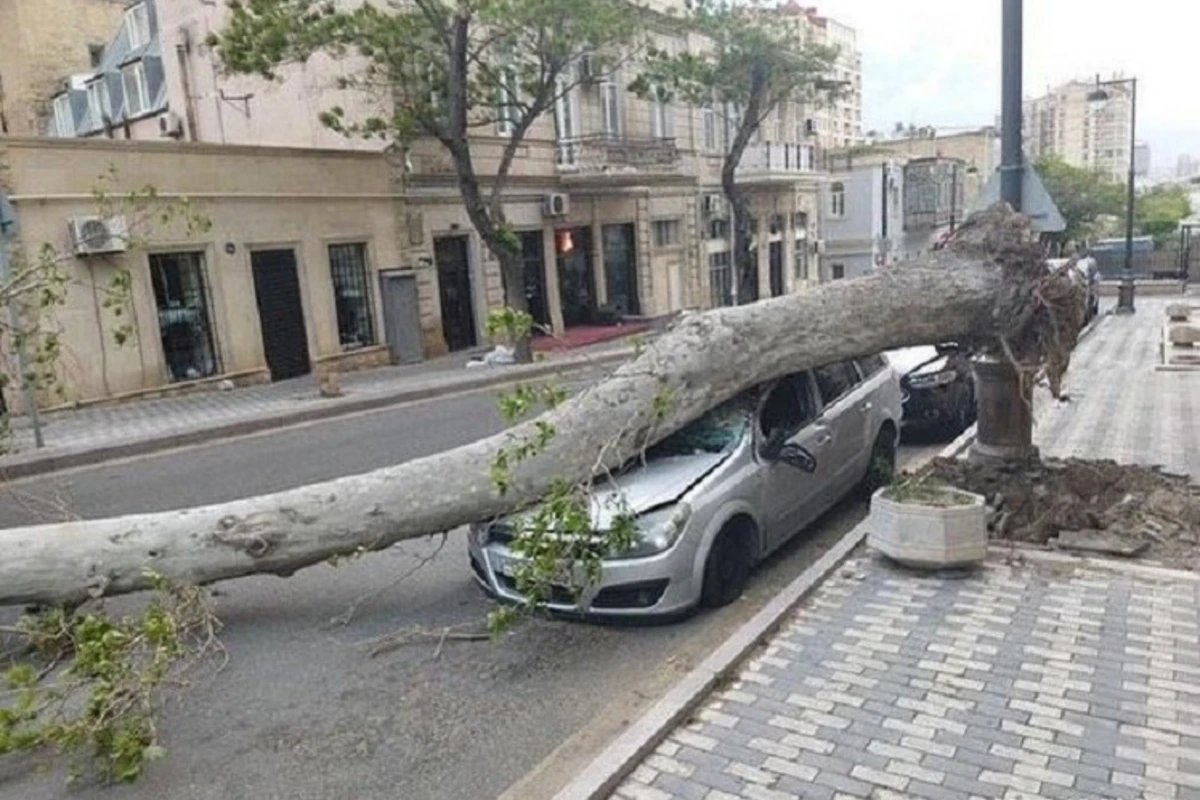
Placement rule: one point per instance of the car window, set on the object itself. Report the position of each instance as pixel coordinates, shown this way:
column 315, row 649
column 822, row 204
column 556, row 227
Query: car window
column 835, row 380
column 871, row 365
column 788, row 407
column 717, row 431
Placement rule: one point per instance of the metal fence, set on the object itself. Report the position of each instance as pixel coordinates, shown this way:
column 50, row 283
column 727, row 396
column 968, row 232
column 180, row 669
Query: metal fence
column 1169, row 263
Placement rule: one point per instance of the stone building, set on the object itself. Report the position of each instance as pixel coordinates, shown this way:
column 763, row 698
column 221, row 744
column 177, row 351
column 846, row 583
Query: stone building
column 616, row 201
column 42, row 44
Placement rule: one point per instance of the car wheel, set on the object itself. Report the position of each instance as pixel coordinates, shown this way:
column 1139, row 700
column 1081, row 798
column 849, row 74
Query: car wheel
column 727, row 569
column 882, row 466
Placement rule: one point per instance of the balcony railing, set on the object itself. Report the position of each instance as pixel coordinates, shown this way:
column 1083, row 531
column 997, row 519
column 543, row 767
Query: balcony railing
column 772, row 158
column 603, row 154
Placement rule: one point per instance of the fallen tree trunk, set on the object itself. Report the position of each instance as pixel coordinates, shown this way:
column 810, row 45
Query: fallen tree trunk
column 981, row 288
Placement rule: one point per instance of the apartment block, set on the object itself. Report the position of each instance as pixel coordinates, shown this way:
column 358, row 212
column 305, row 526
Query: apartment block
column 616, row 201
column 837, row 123
column 1063, row 122
column 42, row 44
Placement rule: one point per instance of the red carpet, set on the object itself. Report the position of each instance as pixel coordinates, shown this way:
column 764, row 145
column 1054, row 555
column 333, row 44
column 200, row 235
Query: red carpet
column 587, row 334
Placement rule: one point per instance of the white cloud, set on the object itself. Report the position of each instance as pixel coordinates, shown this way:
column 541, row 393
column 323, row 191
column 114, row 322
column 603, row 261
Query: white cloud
column 938, row 61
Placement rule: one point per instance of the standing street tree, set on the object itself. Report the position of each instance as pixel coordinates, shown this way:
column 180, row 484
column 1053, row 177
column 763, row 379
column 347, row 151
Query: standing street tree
column 448, row 70
column 753, row 64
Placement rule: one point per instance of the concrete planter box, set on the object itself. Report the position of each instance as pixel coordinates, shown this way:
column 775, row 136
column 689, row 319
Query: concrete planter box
column 929, row 536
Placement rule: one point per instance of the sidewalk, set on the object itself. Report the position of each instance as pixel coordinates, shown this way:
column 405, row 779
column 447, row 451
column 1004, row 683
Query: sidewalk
column 1039, row 675
column 105, row 432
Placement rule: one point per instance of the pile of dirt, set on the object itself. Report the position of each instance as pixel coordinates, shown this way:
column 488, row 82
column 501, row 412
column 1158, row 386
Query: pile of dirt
column 1098, row 506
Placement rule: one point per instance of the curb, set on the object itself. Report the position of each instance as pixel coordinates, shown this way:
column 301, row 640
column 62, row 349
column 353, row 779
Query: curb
column 34, row 464
column 600, row 778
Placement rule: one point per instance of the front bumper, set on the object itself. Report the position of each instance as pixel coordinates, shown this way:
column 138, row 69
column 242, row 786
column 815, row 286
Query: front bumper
column 657, row 586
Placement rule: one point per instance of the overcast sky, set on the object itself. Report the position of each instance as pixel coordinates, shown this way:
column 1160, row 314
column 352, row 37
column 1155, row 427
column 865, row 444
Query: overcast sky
column 938, row 61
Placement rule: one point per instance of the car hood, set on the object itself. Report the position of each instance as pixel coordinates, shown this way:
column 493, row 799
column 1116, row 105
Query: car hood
column 917, row 360
column 648, row 486
column 656, row 483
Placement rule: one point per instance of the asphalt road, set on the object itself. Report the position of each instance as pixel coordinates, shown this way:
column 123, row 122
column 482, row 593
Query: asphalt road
column 303, row 712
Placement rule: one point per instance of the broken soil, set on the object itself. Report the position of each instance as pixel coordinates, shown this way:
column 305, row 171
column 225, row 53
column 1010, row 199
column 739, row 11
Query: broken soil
column 1096, row 506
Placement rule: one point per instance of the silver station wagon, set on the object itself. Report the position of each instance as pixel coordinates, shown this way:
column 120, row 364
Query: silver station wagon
column 722, row 493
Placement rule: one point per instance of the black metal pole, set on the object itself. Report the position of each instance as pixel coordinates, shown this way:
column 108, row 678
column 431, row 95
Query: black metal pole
column 1003, row 400
column 1011, row 161
column 1125, row 298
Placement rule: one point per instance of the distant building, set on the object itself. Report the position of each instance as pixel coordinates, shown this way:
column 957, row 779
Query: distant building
column 977, row 150
column 1187, row 167
column 837, row 124
column 1063, row 123
column 41, row 42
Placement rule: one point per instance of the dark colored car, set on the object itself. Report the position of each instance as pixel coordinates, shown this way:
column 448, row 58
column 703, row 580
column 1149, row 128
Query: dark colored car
column 938, row 388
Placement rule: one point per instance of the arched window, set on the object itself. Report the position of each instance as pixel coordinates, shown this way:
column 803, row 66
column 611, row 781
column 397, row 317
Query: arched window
column 837, row 199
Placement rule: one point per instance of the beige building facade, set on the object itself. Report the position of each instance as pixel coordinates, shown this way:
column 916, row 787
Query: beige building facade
column 838, row 123
column 43, row 43
column 976, row 151
column 1063, row 123
column 326, row 253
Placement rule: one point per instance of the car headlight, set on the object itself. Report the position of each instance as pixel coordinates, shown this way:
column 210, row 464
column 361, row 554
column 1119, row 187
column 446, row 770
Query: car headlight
column 944, row 378
column 658, row 531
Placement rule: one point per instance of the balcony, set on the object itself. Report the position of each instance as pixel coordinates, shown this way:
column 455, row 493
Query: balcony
column 614, row 159
column 769, row 162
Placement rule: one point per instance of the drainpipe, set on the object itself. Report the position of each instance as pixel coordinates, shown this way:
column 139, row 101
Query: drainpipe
column 183, row 52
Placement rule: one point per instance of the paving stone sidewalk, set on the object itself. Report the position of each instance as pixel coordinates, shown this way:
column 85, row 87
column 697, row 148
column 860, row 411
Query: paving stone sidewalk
column 1032, row 677
column 102, row 426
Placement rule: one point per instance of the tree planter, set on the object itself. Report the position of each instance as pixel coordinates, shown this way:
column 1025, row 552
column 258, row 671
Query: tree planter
column 930, row 535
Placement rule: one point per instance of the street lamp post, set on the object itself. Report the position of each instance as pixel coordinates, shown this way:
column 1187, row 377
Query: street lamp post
column 1098, row 98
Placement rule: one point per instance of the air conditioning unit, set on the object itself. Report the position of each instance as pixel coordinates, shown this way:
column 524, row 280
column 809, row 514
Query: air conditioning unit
column 94, row 236
column 556, row 205
column 819, row 246
column 810, row 127
column 714, row 204
column 170, row 125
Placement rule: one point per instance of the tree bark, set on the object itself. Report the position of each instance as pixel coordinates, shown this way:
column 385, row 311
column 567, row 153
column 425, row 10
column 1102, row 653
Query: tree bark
column 985, row 286
column 745, row 270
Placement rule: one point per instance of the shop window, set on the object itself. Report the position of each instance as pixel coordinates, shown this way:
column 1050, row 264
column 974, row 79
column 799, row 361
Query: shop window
column 184, row 323
column 352, row 295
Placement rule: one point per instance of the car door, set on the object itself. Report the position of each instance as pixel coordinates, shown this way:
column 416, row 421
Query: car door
column 792, row 488
column 844, row 412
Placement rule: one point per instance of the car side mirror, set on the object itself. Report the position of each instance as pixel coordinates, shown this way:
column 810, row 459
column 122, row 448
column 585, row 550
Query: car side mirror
column 772, row 446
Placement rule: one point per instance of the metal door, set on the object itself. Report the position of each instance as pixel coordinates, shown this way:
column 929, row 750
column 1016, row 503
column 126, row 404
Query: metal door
column 620, row 269
column 277, row 293
column 775, row 255
column 401, row 316
column 454, row 290
column 533, row 250
column 844, row 413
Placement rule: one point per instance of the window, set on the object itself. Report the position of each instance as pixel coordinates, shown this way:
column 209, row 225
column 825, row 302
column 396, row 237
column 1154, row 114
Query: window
column 181, row 295
column 610, row 95
column 351, row 295
column 64, row 119
column 838, row 271
column 137, row 25
column 718, row 228
column 720, row 276
column 137, row 94
column 871, row 365
column 662, row 119
column 837, row 199
column 835, row 380
column 788, row 408
column 506, row 97
column 99, row 103
column 709, row 117
column 666, row 232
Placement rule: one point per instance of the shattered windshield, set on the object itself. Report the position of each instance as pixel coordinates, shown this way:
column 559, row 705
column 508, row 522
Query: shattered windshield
column 717, row 431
